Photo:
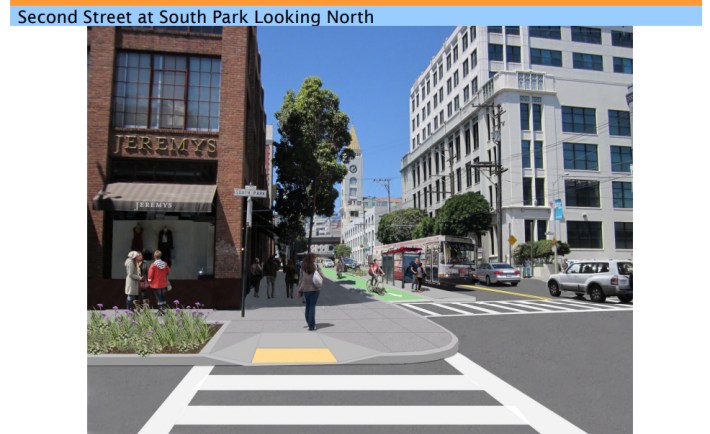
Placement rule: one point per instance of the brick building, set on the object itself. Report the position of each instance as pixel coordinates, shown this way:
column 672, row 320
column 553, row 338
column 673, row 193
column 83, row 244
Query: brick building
column 175, row 123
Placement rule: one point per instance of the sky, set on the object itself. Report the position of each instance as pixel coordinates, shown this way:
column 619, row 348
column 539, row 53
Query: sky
column 371, row 69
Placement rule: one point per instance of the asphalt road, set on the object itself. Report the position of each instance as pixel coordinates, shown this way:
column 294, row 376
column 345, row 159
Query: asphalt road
column 576, row 364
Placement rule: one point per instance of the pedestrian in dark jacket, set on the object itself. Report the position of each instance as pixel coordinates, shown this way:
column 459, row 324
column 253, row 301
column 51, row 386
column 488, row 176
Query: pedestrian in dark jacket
column 291, row 277
column 270, row 269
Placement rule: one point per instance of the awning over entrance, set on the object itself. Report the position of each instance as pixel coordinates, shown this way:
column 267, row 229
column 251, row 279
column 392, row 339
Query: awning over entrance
column 137, row 197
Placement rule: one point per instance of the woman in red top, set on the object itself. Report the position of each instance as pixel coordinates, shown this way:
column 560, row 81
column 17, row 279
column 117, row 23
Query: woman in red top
column 158, row 279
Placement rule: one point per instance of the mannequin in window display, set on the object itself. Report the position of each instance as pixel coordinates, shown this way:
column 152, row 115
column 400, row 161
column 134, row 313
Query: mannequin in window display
column 165, row 244
column 137, row 243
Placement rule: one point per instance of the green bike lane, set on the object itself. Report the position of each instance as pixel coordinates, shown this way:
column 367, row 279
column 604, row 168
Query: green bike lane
column 392, row 295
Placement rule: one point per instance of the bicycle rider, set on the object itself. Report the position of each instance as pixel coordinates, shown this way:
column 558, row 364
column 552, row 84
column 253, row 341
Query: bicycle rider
column 375, row 270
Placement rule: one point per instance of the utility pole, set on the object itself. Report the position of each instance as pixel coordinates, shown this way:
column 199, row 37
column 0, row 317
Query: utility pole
column 497, row 166
column 387, row 186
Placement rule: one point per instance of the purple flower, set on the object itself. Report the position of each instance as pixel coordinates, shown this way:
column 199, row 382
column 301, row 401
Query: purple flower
column 176, row 301
column 115, row 308
column 198, row 304
column 177, row 309
column 129, row 312
column 189, row 307
column 100, row 306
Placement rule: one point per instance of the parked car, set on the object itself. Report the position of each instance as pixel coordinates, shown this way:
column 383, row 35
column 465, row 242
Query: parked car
column 351, row 264
column 496, row 272
column 328, row 263
column 597, row 278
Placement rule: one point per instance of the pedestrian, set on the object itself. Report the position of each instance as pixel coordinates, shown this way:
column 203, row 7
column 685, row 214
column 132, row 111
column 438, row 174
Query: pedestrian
column 291, row 277
column 420, row 278
column 308, row 289
column 340, row 267
column 413, row 270
column 257, row 272
column 158, row 279
column 270, row 270
column 143, row 284
column 132, row 278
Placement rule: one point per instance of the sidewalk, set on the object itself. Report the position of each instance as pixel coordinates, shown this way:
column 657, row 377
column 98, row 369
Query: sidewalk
column 352, row 326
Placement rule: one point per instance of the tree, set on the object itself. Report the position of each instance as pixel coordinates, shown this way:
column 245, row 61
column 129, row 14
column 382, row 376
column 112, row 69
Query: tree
column 398, row 225
column 541, row 249
column 425, row 228
column 343, row 251
column 463, row 215
column 312, row 154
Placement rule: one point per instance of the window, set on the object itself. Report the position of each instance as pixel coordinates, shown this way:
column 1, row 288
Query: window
column 448, row 61
column 353, row 213
column 474, row 85
column 621, row 158
column 512, row 30
column 441, row 94
column 580, row 156
column 547, row 32
column 590, row 35
column 539, row 191
column 436, row 100
column 622, row 39
column 619, row 123
column 353, row 191
column 441, row 71
column 582, row 193
column 545, row 57
column 495, row 52
column 467, row 140
column 474, row 58
column 495, row 29
column 435, row 78
column 476, row 173
column 538, row 155
column 624, row 235
column 456, row 53
column 587, row 61
column 525, row 150
column 436, row 122
column 524, row 116
column 465, row 68
column 437, row 191
column 456, row 78
column 458, row 148
column 579, row 120
column 353, row 181
column 428, row 87
column 448, row 86
column 466, row 94
column 584, row 234
column 413, row 108
column 623, row 65
column 473, row 32
column 537, row 117
column 623, row 194
column 527, row 191
column 464, row 42
column 458, row 180
column 166, row 91
column 469, row 175
column 441, row 117
column 436, row 161
column 512, row 53
column 456, row 102
column 449, row 110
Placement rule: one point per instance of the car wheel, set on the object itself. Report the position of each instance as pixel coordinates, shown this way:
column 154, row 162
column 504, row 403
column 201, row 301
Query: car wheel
column 488, row 280
column 554, row 289
column 597, row 294
column 626, row 298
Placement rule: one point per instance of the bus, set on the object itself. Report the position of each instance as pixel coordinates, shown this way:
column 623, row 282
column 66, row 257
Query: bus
column 447, row 260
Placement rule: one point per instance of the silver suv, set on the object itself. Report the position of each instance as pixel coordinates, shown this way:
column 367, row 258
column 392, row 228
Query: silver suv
column 598, row 278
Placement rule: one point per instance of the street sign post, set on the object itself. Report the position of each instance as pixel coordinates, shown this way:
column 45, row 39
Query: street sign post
column 248, row 191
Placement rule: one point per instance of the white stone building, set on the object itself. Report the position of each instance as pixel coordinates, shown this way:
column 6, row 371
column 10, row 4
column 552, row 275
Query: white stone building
column 362, row 238
column 565, row 134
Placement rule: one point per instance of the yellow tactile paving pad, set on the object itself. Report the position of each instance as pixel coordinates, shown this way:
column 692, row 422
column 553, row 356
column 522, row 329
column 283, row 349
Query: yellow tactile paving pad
column 293, row 355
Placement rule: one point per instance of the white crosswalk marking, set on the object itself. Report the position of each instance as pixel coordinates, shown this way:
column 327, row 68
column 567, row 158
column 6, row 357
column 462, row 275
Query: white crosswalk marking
column 511, row 307
column 505, row 405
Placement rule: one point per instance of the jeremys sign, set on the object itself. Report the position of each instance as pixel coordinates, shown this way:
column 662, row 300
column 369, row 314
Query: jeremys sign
column 182, row 145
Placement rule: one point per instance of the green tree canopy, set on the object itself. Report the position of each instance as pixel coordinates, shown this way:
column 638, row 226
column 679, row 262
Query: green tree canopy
column 343, row 251
column 398, row 225
column 311, row 155
column 425, row 228
column 463, row 215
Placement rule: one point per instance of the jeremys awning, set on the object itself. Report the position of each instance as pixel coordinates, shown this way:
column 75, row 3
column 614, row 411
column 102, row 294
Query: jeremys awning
column 137, row 197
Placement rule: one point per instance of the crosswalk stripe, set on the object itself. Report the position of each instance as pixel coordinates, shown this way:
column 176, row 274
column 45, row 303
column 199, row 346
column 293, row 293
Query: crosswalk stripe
column 607, row 306
column 505, row 305
column 476, row 307
column 535, row 414
column 428, row 312
column 350, row 415
column 527, row 306
column 547, row 305
column 338, row 382
column 443, row 306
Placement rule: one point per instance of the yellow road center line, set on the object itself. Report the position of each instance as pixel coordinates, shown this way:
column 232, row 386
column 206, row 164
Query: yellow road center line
column 293, row 355
column 505, row 292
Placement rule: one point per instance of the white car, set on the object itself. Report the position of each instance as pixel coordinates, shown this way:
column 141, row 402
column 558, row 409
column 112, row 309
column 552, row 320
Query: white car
column 328, row 263
column 597, row 278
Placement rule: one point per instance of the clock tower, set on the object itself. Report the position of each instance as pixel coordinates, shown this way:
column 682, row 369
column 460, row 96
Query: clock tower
column 351, row 191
